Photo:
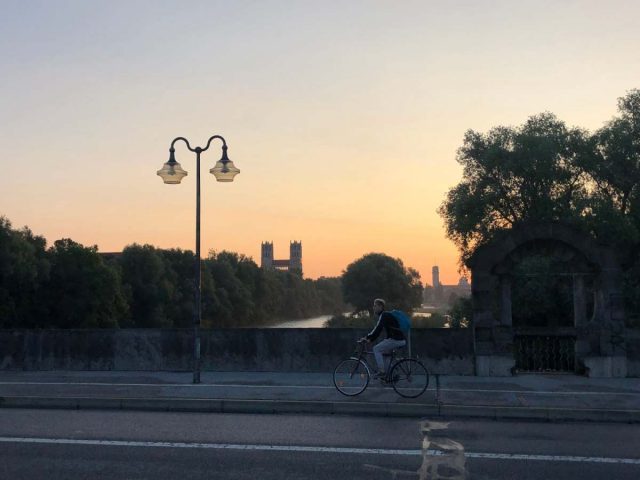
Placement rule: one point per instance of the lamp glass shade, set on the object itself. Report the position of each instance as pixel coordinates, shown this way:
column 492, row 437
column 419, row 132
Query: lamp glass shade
column 172, row 173
column 224, row 170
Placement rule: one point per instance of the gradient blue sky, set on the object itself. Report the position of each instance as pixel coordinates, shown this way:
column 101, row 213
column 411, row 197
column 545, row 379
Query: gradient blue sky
column 344, row 117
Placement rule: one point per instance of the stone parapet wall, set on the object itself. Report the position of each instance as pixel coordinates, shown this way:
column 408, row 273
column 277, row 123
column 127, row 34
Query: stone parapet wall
column 632, row 346
column 444, row 351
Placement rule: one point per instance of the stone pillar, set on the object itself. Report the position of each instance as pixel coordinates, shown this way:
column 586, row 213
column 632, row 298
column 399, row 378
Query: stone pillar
column 505, row 301
column 481, row 292
column 579, row 301
column 493, row 338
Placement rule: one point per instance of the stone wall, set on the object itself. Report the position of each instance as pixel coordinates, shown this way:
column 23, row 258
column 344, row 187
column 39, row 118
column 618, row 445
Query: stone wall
column 445, row 351
column 632, row 345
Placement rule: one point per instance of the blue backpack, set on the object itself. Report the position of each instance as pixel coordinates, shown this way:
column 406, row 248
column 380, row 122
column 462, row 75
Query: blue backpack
column 403, row 321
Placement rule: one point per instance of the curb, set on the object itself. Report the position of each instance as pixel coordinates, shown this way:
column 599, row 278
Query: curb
column 321, row 408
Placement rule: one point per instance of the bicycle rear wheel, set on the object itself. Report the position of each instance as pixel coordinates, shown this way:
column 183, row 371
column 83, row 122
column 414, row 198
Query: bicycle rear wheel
column 409, row 378
column 351, row 377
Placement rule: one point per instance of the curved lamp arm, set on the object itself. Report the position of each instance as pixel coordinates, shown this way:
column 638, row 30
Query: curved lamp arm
column 224, row 144
column 184, row 140
column 195, row 150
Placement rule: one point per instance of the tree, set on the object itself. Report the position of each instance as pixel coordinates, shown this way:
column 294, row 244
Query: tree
column 330, row 295
column 179, row 271
column 82, row 291
column 377, row 275
column 616, row 165
column 614, row 212
column 147, row 286
column 270, row 295
column 614, row 170
column 461, row 312
column 24, row 267
column 233, row 303
column 511, row 175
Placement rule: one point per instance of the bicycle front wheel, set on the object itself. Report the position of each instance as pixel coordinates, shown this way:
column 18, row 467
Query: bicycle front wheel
column 351, row 377
column 409, row 378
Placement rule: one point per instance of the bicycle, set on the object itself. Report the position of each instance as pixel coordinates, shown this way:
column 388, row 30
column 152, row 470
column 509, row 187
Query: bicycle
column 408, row 376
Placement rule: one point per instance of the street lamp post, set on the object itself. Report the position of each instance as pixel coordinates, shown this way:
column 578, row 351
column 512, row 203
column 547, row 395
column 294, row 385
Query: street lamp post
column 172, row 173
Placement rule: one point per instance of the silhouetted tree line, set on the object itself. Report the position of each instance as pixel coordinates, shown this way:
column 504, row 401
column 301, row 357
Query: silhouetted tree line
column 69, row 285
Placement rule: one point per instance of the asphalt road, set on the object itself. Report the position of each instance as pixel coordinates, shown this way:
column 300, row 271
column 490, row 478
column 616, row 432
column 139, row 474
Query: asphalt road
column 62, row 444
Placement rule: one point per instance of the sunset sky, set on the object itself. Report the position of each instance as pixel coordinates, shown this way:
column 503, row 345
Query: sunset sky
column 343, row 116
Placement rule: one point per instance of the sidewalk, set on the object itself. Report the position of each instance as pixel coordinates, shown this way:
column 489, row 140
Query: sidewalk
column 543, row 397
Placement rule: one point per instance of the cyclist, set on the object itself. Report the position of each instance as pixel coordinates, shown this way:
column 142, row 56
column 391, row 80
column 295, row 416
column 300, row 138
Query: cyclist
column 395, row 337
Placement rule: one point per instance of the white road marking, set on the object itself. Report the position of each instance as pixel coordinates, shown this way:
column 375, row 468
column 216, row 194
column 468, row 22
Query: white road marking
column 212, row 446
column 311, row 449
column 327, row 387
column 542, row 392
column 186, row 385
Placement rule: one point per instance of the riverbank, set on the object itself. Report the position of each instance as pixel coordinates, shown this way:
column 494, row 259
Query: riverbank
column 321, row 320
column 314, row 322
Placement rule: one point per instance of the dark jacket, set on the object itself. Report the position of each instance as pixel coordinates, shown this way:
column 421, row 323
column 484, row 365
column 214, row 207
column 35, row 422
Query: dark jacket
column 390, row 325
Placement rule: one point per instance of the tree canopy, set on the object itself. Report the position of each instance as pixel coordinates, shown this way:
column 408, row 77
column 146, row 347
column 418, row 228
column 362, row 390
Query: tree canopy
column 24, row 267
column 81, row 292
column 512, row 175
column 377, row 275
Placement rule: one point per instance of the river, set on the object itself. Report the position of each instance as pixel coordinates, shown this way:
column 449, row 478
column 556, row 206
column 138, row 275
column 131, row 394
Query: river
column 318, row 322
column 315, row 322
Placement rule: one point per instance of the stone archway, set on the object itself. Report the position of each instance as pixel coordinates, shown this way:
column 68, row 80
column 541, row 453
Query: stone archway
column 494, row 333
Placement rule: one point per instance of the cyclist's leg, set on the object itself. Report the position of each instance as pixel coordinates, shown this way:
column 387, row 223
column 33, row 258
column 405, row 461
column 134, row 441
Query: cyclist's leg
column 379, row 350
column 387, row 357
column 386, row 346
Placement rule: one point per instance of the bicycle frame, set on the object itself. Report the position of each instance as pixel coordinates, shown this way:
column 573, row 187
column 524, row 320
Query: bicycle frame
column 362, row 353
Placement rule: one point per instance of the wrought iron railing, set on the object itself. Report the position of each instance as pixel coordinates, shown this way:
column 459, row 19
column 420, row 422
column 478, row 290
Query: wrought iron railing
column 545, row 353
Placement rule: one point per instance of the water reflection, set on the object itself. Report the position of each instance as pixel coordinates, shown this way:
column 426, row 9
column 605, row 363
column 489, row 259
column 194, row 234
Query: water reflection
column 315, row 322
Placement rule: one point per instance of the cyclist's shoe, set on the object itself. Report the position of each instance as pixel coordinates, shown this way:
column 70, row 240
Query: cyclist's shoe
column 380, row 376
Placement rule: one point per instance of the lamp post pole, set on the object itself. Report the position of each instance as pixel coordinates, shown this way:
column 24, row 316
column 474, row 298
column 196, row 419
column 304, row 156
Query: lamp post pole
column 172, row 173
column 197, row 316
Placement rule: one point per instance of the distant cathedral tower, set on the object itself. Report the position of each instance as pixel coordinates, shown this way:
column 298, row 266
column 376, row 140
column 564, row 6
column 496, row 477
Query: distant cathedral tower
column 295, row 256
column 292, row 264
column 267, row 255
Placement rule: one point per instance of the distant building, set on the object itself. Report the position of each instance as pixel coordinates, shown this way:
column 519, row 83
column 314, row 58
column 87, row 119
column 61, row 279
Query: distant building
column 435, row 275
column 446, row 294
column 292, row 264
column 110, row 256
